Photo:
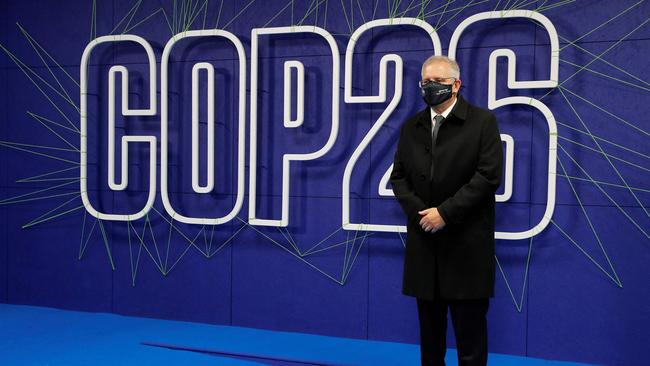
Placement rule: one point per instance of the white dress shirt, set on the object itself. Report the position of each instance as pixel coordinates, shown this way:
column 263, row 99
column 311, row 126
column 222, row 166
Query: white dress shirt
column 444, row 113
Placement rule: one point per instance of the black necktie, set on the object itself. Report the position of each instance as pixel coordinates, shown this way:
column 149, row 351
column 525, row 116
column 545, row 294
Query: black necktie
column 438, row 118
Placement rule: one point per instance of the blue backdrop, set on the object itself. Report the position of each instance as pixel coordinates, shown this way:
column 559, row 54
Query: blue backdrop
column 576, row 291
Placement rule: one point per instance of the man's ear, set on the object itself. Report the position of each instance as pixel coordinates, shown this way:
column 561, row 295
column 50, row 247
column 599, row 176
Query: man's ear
column 457, row 84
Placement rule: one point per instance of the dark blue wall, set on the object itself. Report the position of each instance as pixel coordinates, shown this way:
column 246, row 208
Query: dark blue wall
column 576, row 291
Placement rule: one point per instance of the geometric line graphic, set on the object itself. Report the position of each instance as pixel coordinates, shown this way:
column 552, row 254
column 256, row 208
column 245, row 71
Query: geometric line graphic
column 587, row 157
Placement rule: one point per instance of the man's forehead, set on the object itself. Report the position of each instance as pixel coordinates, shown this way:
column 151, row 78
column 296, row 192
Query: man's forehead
column 436, row 67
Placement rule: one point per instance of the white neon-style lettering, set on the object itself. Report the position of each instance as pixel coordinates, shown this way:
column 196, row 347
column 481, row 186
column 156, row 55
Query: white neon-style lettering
column 494, row 103
column 196, row 186
column 380, row 97
column 300, row 94
column 508, row 168
column 294, row 68
column 287, row 158
column 126, row 111
column 241, row 135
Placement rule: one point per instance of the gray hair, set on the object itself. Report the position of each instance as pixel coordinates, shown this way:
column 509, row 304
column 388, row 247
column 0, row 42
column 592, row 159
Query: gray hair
column 453, row 65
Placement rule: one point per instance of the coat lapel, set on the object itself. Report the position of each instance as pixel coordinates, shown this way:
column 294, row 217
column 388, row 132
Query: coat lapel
column 423, row 130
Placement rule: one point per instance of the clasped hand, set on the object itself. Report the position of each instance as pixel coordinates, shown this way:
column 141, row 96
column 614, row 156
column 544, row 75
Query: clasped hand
column 431, row 220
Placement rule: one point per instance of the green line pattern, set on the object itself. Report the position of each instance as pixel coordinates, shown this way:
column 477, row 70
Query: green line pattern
column 167, row 250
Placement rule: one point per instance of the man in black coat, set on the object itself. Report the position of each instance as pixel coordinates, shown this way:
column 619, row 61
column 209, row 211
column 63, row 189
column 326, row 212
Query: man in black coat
column 447, row 168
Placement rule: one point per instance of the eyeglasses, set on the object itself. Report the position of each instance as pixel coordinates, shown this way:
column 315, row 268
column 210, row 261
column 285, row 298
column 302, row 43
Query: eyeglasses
column 426, row 82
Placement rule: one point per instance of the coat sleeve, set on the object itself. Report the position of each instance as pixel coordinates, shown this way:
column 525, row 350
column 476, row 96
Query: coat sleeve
column 402, row 187
column 485, row 181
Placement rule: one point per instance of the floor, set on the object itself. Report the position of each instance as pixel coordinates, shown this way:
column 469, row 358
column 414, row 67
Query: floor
column 44, row 336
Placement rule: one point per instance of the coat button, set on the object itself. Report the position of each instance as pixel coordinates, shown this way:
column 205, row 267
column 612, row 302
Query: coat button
column 422, row 177
column 427, row 149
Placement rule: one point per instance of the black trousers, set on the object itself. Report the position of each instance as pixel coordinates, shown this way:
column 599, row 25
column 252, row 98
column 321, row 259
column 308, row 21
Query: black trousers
column 470, row 328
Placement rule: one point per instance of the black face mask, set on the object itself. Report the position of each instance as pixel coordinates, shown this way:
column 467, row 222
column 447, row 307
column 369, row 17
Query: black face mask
column 434, row 93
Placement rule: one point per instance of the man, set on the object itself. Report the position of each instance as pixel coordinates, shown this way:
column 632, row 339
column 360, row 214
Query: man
column 446, row 171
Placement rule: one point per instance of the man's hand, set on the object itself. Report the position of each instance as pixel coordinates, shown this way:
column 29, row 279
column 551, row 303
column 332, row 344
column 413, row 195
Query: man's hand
column 431, row 220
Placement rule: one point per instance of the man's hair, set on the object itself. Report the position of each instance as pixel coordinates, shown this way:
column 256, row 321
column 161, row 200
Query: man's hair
column 453, row 65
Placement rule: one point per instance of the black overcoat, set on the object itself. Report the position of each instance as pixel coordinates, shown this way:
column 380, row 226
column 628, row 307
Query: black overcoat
column 467, row 167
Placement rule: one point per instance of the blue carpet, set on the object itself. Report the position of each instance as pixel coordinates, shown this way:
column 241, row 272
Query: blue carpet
column 42, row 336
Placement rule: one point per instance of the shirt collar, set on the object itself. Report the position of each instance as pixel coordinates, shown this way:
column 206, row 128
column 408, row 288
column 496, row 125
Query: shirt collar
column 446, row 112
